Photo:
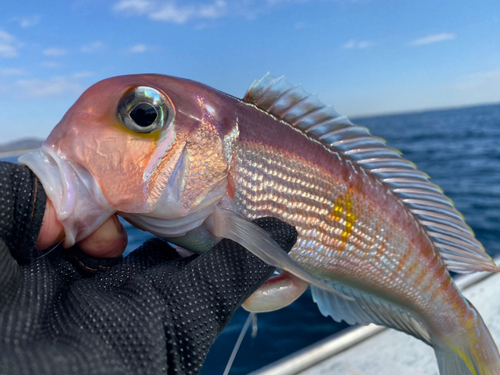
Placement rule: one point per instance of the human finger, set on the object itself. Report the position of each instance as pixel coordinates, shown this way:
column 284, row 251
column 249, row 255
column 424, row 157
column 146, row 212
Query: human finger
column 51, row 231
column 107, row 241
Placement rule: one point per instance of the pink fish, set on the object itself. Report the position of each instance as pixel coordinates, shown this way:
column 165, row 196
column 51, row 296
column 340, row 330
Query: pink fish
column 192, row 164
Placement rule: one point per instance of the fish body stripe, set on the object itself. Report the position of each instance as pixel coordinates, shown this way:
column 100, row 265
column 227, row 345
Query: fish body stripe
column 351, row 230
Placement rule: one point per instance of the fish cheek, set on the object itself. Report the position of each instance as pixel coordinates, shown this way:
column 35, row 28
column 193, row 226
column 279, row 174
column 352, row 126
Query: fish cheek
column 117, row 160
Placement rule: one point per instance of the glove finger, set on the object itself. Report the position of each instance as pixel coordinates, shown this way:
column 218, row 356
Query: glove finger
column 22, row 207
column 89, row 265
column 202, row 292
column 152, row 253
column 228, row 264
column 10, row 275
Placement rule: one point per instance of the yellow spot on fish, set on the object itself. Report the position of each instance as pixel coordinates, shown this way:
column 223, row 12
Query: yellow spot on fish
column 343, row 213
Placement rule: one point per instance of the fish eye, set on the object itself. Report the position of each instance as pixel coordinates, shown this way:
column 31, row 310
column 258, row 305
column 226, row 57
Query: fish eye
column 145, row 110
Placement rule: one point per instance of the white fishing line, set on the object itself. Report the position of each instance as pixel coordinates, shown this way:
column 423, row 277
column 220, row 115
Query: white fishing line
column 238, row 343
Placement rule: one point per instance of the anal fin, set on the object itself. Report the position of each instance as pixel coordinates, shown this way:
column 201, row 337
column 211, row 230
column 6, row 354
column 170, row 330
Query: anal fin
column 362, row 308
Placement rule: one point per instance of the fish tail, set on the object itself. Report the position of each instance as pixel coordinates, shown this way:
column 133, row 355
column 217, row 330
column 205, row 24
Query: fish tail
column 472, row 351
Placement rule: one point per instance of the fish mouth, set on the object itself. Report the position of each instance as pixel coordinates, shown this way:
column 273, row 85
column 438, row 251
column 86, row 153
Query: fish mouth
column 75, row 193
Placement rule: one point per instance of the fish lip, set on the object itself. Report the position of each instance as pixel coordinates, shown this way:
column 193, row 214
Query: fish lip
column 80, row 204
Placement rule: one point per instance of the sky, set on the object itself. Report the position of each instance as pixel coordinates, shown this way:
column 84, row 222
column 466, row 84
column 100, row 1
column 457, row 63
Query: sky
column 366, row 57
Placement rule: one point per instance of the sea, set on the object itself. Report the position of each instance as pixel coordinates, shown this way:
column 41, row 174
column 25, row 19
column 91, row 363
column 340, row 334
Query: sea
column 458, row 148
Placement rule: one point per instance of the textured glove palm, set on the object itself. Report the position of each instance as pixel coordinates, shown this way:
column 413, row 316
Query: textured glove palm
column 149, row 313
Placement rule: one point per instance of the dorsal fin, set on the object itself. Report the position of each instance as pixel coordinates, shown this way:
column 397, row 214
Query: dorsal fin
column 436, row 213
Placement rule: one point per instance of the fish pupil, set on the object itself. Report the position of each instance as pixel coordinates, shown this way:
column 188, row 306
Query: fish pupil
column 144, row 114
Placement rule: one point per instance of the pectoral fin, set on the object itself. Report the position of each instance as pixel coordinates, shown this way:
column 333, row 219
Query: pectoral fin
column 276, row 293
column 227, row 224
column 199, row 240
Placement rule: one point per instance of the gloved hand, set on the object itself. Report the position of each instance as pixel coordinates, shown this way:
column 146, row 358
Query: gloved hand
column 152, row 312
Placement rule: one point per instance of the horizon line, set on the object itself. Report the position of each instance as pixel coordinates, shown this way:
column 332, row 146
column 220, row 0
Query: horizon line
column 415, row 111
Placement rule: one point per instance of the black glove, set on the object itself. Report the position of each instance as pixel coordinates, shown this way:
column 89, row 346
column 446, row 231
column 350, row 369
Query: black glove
column 149, row 313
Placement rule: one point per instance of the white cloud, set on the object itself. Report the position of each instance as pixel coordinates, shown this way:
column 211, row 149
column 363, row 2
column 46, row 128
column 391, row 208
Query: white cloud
column 82, row 75
column 12, row 72
column 138, row 48
column 352, row 44
column 133, row 6
column 51, row 64
column 28, row 21
column 172, row 13
column 8, row 45
column 40, row 88
column 54, row 52
column 46, row 87
column 365, row 44
column 93, row 47
column 215, row 10
column 169, row 11
column 434, row 39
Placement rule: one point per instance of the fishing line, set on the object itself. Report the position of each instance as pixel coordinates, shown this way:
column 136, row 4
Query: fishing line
column 238, row 343
column 50, row 250
column 254, row 327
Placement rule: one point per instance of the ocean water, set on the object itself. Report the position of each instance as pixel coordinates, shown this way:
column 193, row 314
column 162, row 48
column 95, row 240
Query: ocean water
column 458, row 148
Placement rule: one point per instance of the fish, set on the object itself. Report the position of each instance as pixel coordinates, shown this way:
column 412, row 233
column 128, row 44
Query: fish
column 376, row 239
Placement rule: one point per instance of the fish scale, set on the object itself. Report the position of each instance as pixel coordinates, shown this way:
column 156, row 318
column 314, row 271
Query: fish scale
column 327, row 246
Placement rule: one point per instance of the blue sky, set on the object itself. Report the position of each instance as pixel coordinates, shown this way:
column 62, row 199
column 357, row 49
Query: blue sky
column 364, row 57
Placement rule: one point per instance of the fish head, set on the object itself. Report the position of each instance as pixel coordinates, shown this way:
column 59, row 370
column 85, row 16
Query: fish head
column 158, row 147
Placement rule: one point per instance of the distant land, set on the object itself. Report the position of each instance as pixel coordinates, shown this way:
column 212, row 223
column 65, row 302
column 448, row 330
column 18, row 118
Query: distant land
column 28, row 143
